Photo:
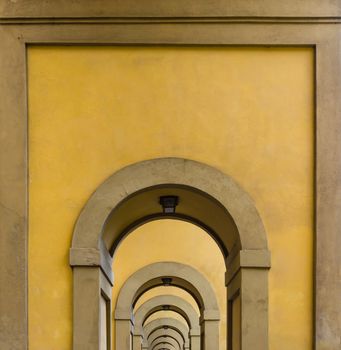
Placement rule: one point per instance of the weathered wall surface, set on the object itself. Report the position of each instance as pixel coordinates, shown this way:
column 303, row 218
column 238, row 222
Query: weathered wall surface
column 245, row 111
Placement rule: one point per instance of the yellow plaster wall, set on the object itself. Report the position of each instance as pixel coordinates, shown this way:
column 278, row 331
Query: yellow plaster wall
column 245, row 111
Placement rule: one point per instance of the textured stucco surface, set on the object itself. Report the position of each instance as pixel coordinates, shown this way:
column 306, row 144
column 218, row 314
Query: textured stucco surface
column 248, row 112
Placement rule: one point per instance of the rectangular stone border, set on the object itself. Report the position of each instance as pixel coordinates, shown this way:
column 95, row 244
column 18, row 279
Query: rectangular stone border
column 323, row 34
column 106, row 9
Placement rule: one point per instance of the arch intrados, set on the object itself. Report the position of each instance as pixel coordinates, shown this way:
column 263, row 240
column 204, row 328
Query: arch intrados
column 195, row 206
column 174, row 344
column 166, row 323
column 164, row 346
column 99, row 220
column 151, row 276
column 167, row 313
column 171, row 333
column 156, row 340
column 175, row 310
column 157, row 214
column 173, row 303
column 176, row 282
column 167, row 326
column 167, row 290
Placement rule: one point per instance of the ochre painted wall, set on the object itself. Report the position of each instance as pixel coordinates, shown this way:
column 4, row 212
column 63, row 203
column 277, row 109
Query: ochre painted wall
column 245, row 111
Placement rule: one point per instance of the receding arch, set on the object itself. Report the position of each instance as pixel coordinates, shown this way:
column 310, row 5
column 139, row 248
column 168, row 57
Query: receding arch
column 181, row 275
column 150, row 276
column 172, row 303
column 208, row 198
column 161, row 341
column 165, row 346
column 132, row 194
column 165, row 313
column 167, row 333
column 165, row 323
column 166, row 302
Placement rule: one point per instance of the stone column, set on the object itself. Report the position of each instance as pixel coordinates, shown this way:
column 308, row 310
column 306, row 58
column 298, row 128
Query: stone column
column 137, row 342
column 254, row 309
column 86, row 308
column 247, row 283
column 123, row 334
column 90, row 324
column 211, row 339
column 209, row 323
column 145, row 345
column 92, row 291
column 195, row 339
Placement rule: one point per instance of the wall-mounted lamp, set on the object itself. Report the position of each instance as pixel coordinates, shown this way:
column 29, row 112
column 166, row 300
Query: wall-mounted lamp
column 166, row 281
column 169, row 204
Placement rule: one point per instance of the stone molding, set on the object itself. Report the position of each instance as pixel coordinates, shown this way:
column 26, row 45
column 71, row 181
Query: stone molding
column 307, row 23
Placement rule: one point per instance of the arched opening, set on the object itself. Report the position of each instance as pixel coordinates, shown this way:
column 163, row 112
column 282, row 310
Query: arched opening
column 182, row 276
column 167, row 333
column 173, row 291
column 165, row 324
column 164, row 341
column 162, row 345
column 162, row 241
column 166, row 302
column 166, row 314
column 207, row 198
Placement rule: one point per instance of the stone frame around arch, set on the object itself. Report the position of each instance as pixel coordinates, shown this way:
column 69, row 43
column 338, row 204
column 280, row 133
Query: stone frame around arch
column 165, row 346
column 184, row 277
column 172, row 303
column 167, row 333
column 247, row 264
column 164, row 340
column 162, row 323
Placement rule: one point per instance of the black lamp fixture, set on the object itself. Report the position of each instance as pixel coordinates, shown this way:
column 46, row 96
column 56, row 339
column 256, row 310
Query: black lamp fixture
column 169, row 204
column 166, row 281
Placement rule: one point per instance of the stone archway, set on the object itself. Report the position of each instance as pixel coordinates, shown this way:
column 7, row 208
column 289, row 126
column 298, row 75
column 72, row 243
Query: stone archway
column 172, row 303
column 209, row 199
column 166, row 302
column 169, row 341
column 165, row 346
column 164, row 340
column 165, row 323
column 182, row 276
column 167, row 333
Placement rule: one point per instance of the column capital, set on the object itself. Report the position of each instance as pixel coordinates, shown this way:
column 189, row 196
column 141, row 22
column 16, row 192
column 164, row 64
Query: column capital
column 247, row 259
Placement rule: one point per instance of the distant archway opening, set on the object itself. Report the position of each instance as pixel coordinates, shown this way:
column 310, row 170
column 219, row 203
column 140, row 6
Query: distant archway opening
column 177, row 274
column 165, row 333
column 155, row 326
